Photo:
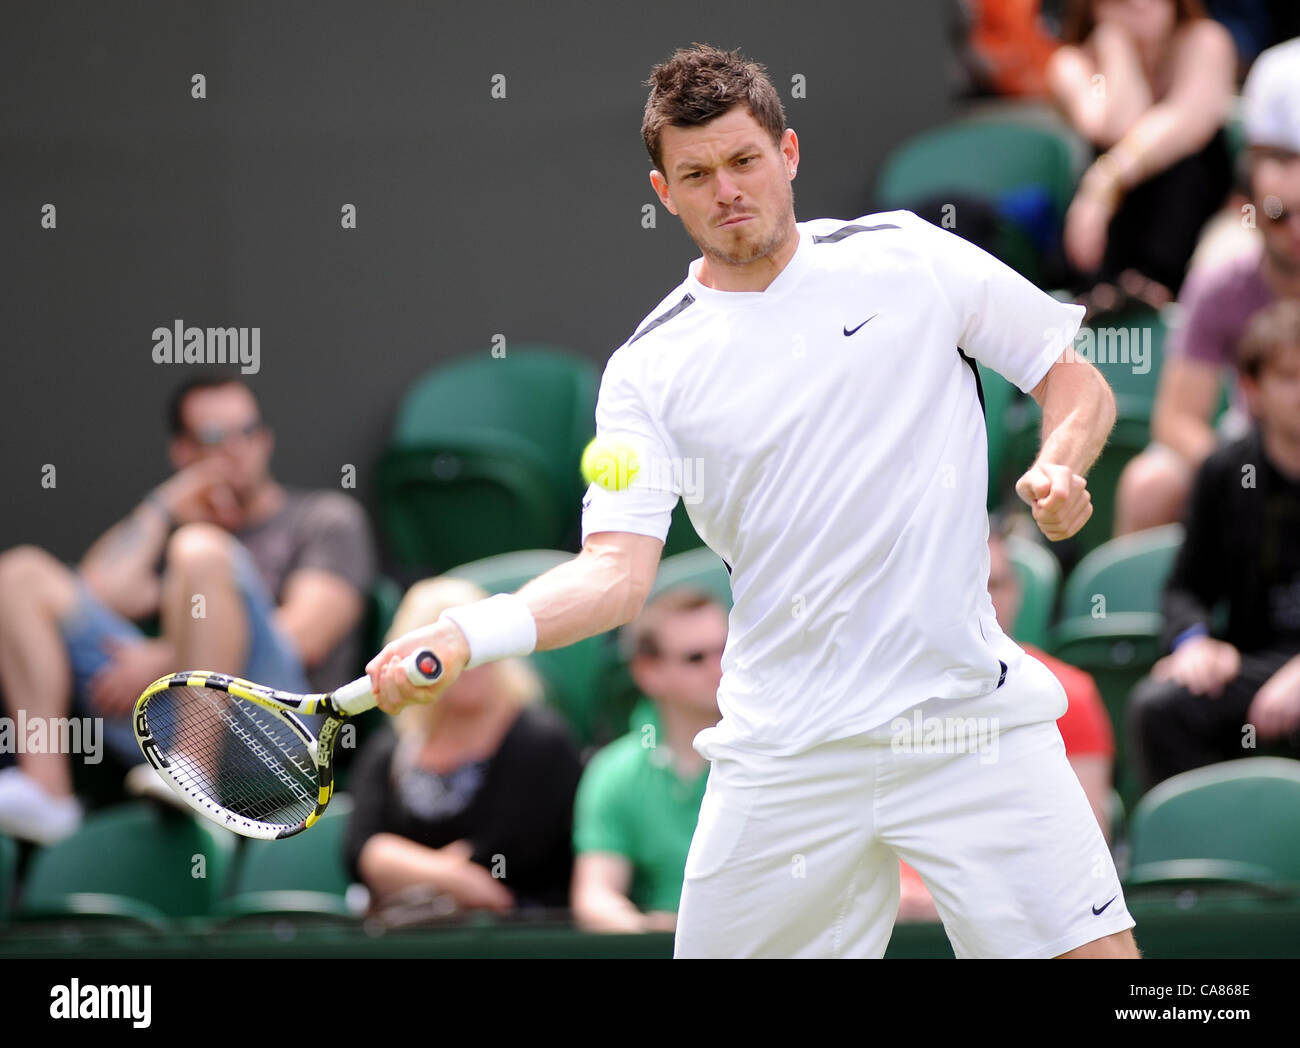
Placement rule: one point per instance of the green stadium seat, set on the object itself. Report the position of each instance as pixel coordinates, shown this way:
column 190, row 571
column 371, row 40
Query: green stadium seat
column 999, row 395
column 1117, row 639
column 141, row 862
column 303, row 874
column 1236, row 823
column 989, row 158
column 484, row 455
column 8, row 875
column 381, row 605
column 681, row 533
column 700, row 567
column 574, row 676
column 1127, row 347
column 1040, row 580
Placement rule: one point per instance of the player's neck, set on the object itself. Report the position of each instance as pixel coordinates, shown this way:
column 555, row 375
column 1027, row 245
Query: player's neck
column 752, row 276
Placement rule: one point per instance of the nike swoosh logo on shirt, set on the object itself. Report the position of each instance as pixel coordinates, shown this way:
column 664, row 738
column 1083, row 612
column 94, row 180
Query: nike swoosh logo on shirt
column 1097, row 912
column 869, row 319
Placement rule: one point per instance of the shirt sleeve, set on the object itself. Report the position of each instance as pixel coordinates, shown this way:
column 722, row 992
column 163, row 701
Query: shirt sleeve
column 646, row 506
column 336, row 538
column 598, row 825
column 1003, row 321
column 1201, row 333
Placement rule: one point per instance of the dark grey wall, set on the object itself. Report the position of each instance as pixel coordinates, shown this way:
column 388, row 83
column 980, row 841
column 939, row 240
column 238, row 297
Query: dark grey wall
column 475, row 216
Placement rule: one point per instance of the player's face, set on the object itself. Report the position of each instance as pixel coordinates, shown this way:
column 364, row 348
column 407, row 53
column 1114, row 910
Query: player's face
column 730, row 185
column 688, row 670
column 224, row 423
column 1004, row 586
column 1275, row 182
column 1275, row 395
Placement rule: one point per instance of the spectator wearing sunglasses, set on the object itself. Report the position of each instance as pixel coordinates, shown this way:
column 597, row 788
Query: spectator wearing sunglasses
column 1217, row 305
column 243, row 576
column 640, row 796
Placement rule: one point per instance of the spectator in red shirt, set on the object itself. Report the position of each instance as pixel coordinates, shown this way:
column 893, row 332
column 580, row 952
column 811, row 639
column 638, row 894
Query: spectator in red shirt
column 1085, row 726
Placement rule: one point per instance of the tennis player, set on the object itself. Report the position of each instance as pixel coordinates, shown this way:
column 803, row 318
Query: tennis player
column 815, row 384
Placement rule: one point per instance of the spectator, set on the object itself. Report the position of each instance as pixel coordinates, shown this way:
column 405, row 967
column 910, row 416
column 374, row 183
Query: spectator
column 1219, row 692
column 1217, row 304
column 640, row 796
column 1085, row 726
column 282, row 575
column 1149, row 84
column 470, row 798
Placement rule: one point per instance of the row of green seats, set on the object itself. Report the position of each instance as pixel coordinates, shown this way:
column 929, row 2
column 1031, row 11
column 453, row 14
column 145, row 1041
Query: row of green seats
column 1234, row 825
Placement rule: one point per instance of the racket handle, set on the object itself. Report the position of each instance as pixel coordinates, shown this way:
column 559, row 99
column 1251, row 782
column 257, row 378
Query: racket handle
column 422, row 667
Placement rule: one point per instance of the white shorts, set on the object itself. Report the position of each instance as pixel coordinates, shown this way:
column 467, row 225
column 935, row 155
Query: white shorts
column 798, row 856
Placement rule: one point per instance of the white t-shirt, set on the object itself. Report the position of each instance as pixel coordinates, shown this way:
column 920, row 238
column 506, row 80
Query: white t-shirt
column 828, row 440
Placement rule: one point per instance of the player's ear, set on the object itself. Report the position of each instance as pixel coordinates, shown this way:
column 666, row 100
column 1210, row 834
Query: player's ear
column 660, row 185
column 790, row 150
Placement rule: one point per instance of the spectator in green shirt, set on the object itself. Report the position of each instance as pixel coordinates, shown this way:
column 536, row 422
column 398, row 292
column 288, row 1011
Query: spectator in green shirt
column 640, row 796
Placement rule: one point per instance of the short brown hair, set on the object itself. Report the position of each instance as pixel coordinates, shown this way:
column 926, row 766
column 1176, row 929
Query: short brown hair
column 641, row 635
column 700, row 83
column 1270, row 331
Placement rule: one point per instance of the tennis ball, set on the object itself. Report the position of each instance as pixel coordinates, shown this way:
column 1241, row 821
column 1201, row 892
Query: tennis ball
column 612, row 464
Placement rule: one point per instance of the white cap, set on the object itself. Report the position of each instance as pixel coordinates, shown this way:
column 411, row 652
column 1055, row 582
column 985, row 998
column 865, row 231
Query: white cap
column 1271, row 97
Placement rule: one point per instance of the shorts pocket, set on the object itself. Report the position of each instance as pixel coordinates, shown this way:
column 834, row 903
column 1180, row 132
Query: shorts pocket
column 724, row 814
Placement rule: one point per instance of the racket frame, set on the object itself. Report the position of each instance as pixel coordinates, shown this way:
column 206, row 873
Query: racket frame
column 422, row 667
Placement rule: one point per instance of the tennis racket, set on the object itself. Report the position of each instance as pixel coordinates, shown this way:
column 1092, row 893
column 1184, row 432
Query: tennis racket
column 237, row 753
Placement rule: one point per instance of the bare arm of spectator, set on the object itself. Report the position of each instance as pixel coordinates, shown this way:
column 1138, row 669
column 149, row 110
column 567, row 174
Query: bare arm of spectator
column 323, row 598
column 1094, row 771
column 120, row 567
column 388, row 863
column 1185, row 400
column 1102, row 96
column 599, row 898
column 317, row 611
column 1185, row 119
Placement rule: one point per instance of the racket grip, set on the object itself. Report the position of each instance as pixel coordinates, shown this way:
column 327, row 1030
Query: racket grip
column 422, row 667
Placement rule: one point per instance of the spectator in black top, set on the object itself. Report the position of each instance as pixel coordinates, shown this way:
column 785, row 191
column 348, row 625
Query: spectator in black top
column 470, row 797
column 1218, row 697
column 1149, row 85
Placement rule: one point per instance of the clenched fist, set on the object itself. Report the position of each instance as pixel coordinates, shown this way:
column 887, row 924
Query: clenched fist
column 1058, row 497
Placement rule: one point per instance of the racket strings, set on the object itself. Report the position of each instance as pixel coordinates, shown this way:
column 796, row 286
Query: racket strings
column 234, row 752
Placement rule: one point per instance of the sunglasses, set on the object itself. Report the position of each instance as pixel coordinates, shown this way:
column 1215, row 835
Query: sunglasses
column 214, row 436
column 693, row 658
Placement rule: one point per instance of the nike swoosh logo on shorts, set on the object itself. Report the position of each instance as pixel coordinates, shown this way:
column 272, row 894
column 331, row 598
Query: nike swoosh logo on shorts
column 1096, row 912
column 869, row 319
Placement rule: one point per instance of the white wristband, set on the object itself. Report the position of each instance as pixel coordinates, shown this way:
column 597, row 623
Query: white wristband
column 496, row 628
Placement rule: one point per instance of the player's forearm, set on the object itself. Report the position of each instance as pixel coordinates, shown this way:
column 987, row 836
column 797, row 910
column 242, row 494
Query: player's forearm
column 599, row 590
column 119, row 567
column 1078, row 415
